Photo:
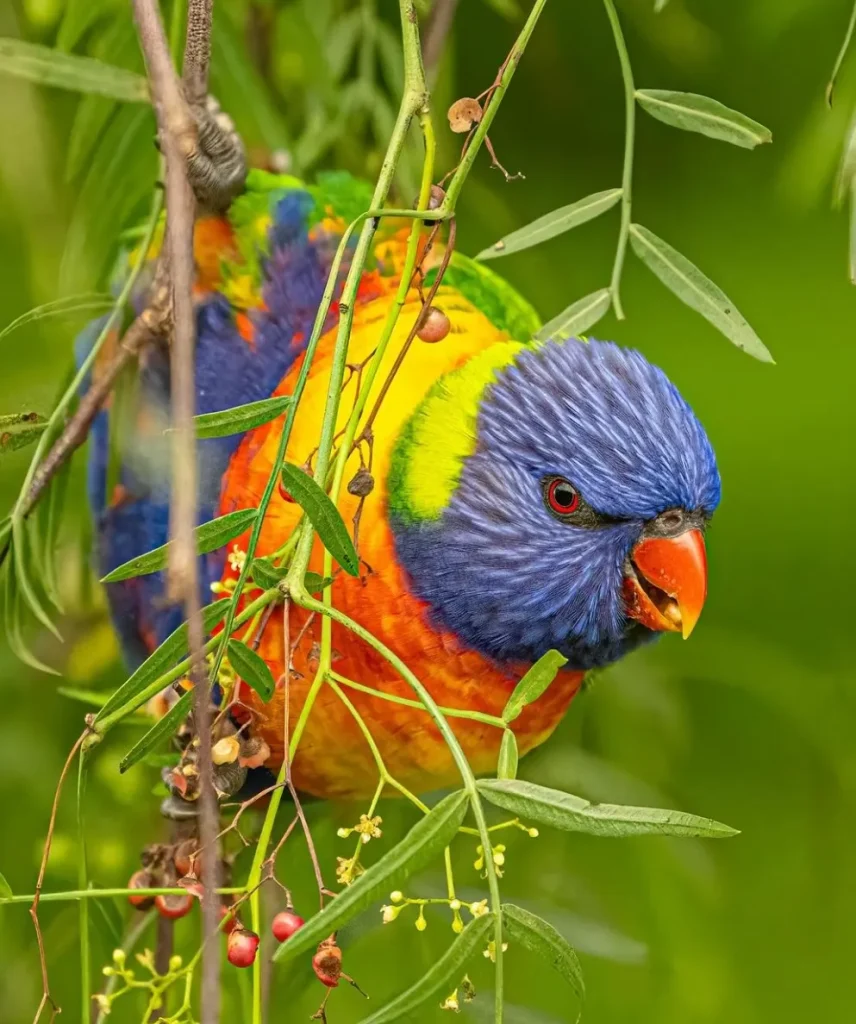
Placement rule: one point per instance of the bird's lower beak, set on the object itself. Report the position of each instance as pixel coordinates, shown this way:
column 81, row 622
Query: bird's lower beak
column 667, row 584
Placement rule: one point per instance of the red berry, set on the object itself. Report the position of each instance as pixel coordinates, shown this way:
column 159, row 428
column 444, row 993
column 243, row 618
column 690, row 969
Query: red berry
column 173, row 906
column 241, row 947
column 434, row 325
column 285, row 924
column 283, row 493
column 141, row 880
column 327, row 963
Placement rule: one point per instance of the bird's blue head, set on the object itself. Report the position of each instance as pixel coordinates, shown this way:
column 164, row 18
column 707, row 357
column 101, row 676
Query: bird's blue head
column 555, row 497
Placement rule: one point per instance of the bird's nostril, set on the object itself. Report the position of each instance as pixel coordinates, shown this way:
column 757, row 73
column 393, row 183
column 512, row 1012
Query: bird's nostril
column 672, row 520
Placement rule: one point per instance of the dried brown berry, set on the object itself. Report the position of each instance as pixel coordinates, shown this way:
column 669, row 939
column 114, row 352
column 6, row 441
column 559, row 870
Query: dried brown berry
column 362, row 484
column 254, row 752
column 464, row 114
column 434, row 325
column 327, row 963
column 184, row 856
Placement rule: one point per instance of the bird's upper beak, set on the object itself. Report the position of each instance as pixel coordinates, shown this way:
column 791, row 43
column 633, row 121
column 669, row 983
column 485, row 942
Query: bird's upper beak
column 666, row 584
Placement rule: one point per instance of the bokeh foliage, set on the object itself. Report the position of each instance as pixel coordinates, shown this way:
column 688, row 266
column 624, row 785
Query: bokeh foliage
column 750, row 722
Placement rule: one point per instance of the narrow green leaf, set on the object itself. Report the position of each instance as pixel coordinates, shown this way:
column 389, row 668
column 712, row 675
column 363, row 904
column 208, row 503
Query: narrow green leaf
column 540, row 937
column 18, row 419
column 241, row 418
column 14, row 440
column 694, row 113
column 842, row 53
column 161, row 730
column 533, row 684
column 5, row 888
column 12, row 607
column 323, row 515
column 266, row 574
column 47, row 66
column 161, row 660
column 573, row 814
column 428, row 837
column 51, row 516
column 578, row 317
column 696, row 290
column 21, row 561
column 209, row 537
column 252, row 668
column 506, row 767
column 552, row 224
column 96, row 302
column 439, row 979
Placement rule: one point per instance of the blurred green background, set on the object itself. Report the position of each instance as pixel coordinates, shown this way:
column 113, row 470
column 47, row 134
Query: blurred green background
column 749, row 722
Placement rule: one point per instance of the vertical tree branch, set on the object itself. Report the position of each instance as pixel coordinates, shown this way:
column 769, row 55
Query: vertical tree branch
column 176, row 129
column 439, row 25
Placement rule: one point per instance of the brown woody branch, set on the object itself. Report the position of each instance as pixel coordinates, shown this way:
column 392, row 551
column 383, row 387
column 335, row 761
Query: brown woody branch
column 177, row 131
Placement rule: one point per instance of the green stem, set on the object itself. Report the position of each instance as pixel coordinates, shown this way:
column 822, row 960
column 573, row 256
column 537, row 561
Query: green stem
column 508, row 69
column 629, row 145
column 88, row 894
column 473, row 716
column 458, row 755
column 83, row 882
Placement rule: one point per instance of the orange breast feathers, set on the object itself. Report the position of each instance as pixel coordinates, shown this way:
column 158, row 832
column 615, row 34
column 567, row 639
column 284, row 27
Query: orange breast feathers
column 333, row 758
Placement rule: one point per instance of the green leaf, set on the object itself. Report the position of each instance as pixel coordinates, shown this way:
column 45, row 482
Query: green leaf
column 427, row 838
column 323, row 515
column 694, row 113
column 12, row 607
column 96, row 302
column 14, row 440
column 696, row 290
column 252, row 668
column 46, row 66
column 209, row 537
column 441, row 978
column 842, row 53
column 578, row 317
column 552, row 224
column 161, row 660
column 533, row 684
column 573, row 814
column 540, row 937
column 266, row 574
column 315, row 583
column 241, row 418
column 506, row 767
column 5, row 888
column 161, row 730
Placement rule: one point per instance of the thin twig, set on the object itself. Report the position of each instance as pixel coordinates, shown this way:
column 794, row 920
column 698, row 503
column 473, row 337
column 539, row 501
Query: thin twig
column 197, row 50
column 434, row 43
column 176, row 130
column 40, row 881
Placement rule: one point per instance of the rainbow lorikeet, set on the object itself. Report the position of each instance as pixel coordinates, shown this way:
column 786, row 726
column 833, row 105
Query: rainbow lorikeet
column 527, row 496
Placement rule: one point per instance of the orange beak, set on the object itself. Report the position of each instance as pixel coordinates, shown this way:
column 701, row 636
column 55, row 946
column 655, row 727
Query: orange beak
column 668, row 588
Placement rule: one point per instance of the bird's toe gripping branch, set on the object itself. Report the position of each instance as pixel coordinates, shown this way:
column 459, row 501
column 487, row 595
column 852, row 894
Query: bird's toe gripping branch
column 217, row 164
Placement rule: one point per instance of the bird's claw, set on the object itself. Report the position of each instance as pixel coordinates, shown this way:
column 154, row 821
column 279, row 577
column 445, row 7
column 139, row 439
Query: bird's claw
column 217, row 164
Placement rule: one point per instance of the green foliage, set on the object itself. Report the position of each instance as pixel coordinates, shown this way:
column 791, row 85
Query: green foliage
column 241, row 418
column 428, row 837
column 551, row 224
column 573, row 814
column 47, row 66
column 691, row 286
column 533, row 683
column 209, row 537
column 323, row 515
column 578, row 317
column 251, row 668
column 163, row 729
column 701, row 114
column 506, row 767
column 542, row 939
column 439, row 978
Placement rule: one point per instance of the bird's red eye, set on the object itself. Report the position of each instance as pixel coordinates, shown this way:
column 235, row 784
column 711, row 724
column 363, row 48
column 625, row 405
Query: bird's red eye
column 562, row 497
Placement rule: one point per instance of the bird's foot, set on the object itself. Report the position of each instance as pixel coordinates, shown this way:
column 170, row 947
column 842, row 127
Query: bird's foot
column 217, row 165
